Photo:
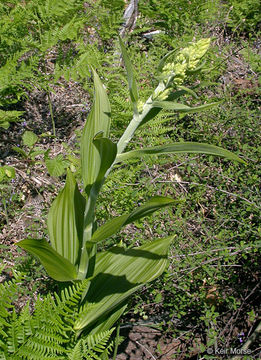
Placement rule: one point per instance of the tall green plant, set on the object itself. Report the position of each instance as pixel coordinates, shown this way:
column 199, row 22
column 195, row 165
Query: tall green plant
column 113, row 275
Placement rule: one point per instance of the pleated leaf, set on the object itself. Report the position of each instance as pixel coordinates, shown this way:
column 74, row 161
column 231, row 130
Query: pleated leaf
column 130, row 76
column 107, row 152
column 180, row 147
column 97, row 121
column 118, row 273
column 108, row 320
column 114, row 225
column 65, row 220
column 58, row 267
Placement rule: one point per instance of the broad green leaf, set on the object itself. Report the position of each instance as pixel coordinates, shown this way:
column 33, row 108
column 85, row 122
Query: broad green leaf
column 114, row 225
column 9, row 171
column 65, row 220
column 56, row 166
column 118, row 273
column 29, row 138
column 4, row 124
column 97, row 121
column 180, row 147
column 108, row 320
column 20, row 151
column 130, row 76
column 56, row 265
column 9, row 116
column 169, row 105
column 155, row 203
column 107, row 153
column 109, row 228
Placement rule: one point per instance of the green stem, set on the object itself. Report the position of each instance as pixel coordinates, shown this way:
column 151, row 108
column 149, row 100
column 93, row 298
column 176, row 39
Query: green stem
column 137, row 119
column 116, row 341
column 89, row 216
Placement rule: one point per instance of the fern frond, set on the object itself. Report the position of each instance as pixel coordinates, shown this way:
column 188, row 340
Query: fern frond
column 92, row 347
column 8, row 292
column 48, row 332
column 99, row 342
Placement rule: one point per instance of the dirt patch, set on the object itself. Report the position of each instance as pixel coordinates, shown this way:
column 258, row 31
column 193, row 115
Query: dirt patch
column 142, row 342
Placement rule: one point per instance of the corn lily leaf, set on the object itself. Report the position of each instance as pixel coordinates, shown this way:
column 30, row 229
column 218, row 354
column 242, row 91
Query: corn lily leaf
column 130, row 75
column 118, row 273
column 181, row 108
column 157, row 106
column 108, row 320
column 180, row 147
column 58, row 267
column 114, row 225
column 65, row 220
column 98, row 121
column 107, row 151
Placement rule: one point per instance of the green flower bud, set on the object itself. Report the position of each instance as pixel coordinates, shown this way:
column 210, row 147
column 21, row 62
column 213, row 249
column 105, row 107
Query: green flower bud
column 140, row 105
column 195, row 52
column 186, row 60
column 163, row 95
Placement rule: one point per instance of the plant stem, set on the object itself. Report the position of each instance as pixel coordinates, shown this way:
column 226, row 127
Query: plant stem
column 116, row 341
column 136, row 120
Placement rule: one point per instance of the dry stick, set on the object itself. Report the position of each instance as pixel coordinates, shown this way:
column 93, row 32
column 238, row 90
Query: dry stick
column 142, row 346
column 129, row 17
column 237, row 312
column 209, row 261
column 204, row 252
column 216, row 189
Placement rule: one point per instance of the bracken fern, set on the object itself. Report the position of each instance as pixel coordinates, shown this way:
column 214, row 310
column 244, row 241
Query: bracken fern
column 47, row 331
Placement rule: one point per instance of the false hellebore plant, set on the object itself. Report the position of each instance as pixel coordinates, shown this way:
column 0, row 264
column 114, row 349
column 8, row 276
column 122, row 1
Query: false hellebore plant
column 73, row 230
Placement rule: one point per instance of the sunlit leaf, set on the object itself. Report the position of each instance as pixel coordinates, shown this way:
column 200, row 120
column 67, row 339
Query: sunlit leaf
column 180, row 147
column 56, row 166
column 97, row 121
column 107, row 153
column 114, row 225
column 118, row 273
column 108, row 320
column 188, row 91
column 29, row 138
column 169, row 105
column 65, row 220
column 56, row 265
column 19, row 151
